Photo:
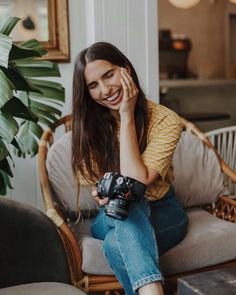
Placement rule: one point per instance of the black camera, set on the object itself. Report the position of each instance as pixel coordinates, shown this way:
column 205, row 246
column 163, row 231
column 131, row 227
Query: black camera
column 120, row 190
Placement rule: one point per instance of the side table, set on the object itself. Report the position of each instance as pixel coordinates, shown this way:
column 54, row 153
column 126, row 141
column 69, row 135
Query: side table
column 217, row 282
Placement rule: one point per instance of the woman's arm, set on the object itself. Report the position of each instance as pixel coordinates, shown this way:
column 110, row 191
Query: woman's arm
column 131, row 163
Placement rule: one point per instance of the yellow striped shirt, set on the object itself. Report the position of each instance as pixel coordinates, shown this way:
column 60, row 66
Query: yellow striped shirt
column 164, row 130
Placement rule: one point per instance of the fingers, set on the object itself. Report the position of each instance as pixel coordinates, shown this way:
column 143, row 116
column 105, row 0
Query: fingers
column 125, row 87
column 128, row 84
column 94, row 193
column 101, row 202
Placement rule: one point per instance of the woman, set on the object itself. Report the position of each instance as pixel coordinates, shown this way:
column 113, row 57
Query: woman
column 116, row 128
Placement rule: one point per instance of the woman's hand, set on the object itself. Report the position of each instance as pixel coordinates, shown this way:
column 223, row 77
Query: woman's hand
column 130, row 92
column 101, row 202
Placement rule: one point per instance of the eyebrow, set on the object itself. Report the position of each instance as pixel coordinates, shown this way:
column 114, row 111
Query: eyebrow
column 103, row 75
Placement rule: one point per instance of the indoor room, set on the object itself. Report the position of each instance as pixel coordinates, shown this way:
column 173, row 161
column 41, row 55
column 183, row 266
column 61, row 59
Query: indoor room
column 117, row 147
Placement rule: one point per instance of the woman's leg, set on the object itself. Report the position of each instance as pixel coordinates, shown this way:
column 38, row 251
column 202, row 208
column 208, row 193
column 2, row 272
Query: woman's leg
column 151, row 289
column 169, row 221
column 112, row 254
column 130, row 247
column 103, row 229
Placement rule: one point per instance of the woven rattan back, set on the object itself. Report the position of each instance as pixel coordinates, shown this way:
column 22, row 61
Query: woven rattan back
column 224, row 140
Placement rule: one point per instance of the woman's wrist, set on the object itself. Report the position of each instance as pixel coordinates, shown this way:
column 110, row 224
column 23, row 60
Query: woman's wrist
column 127, row 117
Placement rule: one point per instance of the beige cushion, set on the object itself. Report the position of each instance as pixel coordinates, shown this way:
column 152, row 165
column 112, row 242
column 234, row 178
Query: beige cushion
column 209, row 241
column 45, row 288
column 197, row 174
column 62, row 180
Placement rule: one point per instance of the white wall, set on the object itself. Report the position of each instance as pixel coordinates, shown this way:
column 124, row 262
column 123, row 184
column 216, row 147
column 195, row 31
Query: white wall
column 129, row 24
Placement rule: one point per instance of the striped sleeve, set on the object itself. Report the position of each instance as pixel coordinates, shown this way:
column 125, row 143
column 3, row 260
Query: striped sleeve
column 164, row 133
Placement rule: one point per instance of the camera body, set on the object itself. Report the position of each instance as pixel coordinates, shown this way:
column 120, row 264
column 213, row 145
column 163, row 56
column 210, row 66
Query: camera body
column 120, row 190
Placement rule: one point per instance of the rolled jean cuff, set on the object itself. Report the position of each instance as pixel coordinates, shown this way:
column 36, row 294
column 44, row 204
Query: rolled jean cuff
column 147, row 280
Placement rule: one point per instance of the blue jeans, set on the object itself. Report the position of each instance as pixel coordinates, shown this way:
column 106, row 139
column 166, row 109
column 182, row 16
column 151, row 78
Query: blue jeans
column 132, row 247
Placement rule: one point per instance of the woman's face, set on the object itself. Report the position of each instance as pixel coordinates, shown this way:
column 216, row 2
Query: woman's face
column 103, row 81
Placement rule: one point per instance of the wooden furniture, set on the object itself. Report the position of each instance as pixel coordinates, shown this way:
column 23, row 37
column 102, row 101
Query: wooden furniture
column 216, row 282
column 225, row 208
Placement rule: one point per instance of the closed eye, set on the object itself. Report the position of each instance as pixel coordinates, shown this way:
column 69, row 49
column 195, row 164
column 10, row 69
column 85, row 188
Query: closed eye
column 109, row 74
column 92, row 85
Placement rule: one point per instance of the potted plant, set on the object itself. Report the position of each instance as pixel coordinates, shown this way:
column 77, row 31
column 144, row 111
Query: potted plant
column 27, row 102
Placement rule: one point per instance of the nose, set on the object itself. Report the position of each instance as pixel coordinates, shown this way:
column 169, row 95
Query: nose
column 105, row 89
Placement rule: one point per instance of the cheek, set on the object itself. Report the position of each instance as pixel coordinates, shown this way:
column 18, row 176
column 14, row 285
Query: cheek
column 93, row 94
column 116, row 79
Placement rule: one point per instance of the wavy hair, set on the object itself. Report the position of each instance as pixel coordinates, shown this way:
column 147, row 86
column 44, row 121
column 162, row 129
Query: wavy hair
column 95, row 147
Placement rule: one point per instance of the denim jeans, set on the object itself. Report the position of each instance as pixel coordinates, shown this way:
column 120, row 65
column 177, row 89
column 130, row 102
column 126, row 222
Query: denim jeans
column 133, row 246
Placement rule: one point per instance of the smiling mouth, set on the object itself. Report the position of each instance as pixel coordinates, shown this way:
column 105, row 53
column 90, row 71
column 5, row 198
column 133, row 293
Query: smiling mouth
column 113, row 97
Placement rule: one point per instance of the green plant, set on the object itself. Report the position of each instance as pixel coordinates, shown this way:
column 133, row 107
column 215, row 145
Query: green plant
column 27, row 103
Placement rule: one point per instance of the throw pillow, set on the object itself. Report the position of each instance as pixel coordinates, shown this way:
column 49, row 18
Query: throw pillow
column 198, row 178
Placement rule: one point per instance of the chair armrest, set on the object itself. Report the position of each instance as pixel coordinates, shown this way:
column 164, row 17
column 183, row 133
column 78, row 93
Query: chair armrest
column 31, row 249
column 69, row 240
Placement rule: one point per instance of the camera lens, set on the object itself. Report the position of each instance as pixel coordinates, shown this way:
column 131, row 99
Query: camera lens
column 117, row 208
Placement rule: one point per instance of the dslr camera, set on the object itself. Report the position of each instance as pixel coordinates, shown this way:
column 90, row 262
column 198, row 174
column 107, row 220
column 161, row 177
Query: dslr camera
column 120, row 190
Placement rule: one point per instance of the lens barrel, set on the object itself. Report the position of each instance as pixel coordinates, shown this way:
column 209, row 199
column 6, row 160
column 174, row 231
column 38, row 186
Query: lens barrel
column 117, row 208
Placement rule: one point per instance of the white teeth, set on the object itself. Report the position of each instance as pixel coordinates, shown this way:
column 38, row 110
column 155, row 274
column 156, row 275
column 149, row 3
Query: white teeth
column 113, row 97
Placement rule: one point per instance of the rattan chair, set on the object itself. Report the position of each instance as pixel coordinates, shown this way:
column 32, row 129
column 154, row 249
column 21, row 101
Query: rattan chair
column 224, row 140
column 225, row 208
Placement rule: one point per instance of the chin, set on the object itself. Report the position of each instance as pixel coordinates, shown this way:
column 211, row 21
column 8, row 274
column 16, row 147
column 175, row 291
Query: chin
column 115, row 108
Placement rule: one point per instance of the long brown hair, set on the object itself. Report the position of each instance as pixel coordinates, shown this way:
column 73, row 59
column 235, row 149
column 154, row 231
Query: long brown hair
column 95, row 147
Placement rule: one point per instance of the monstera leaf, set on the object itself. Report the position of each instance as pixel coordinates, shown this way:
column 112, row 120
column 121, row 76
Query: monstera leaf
column 28, row 101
